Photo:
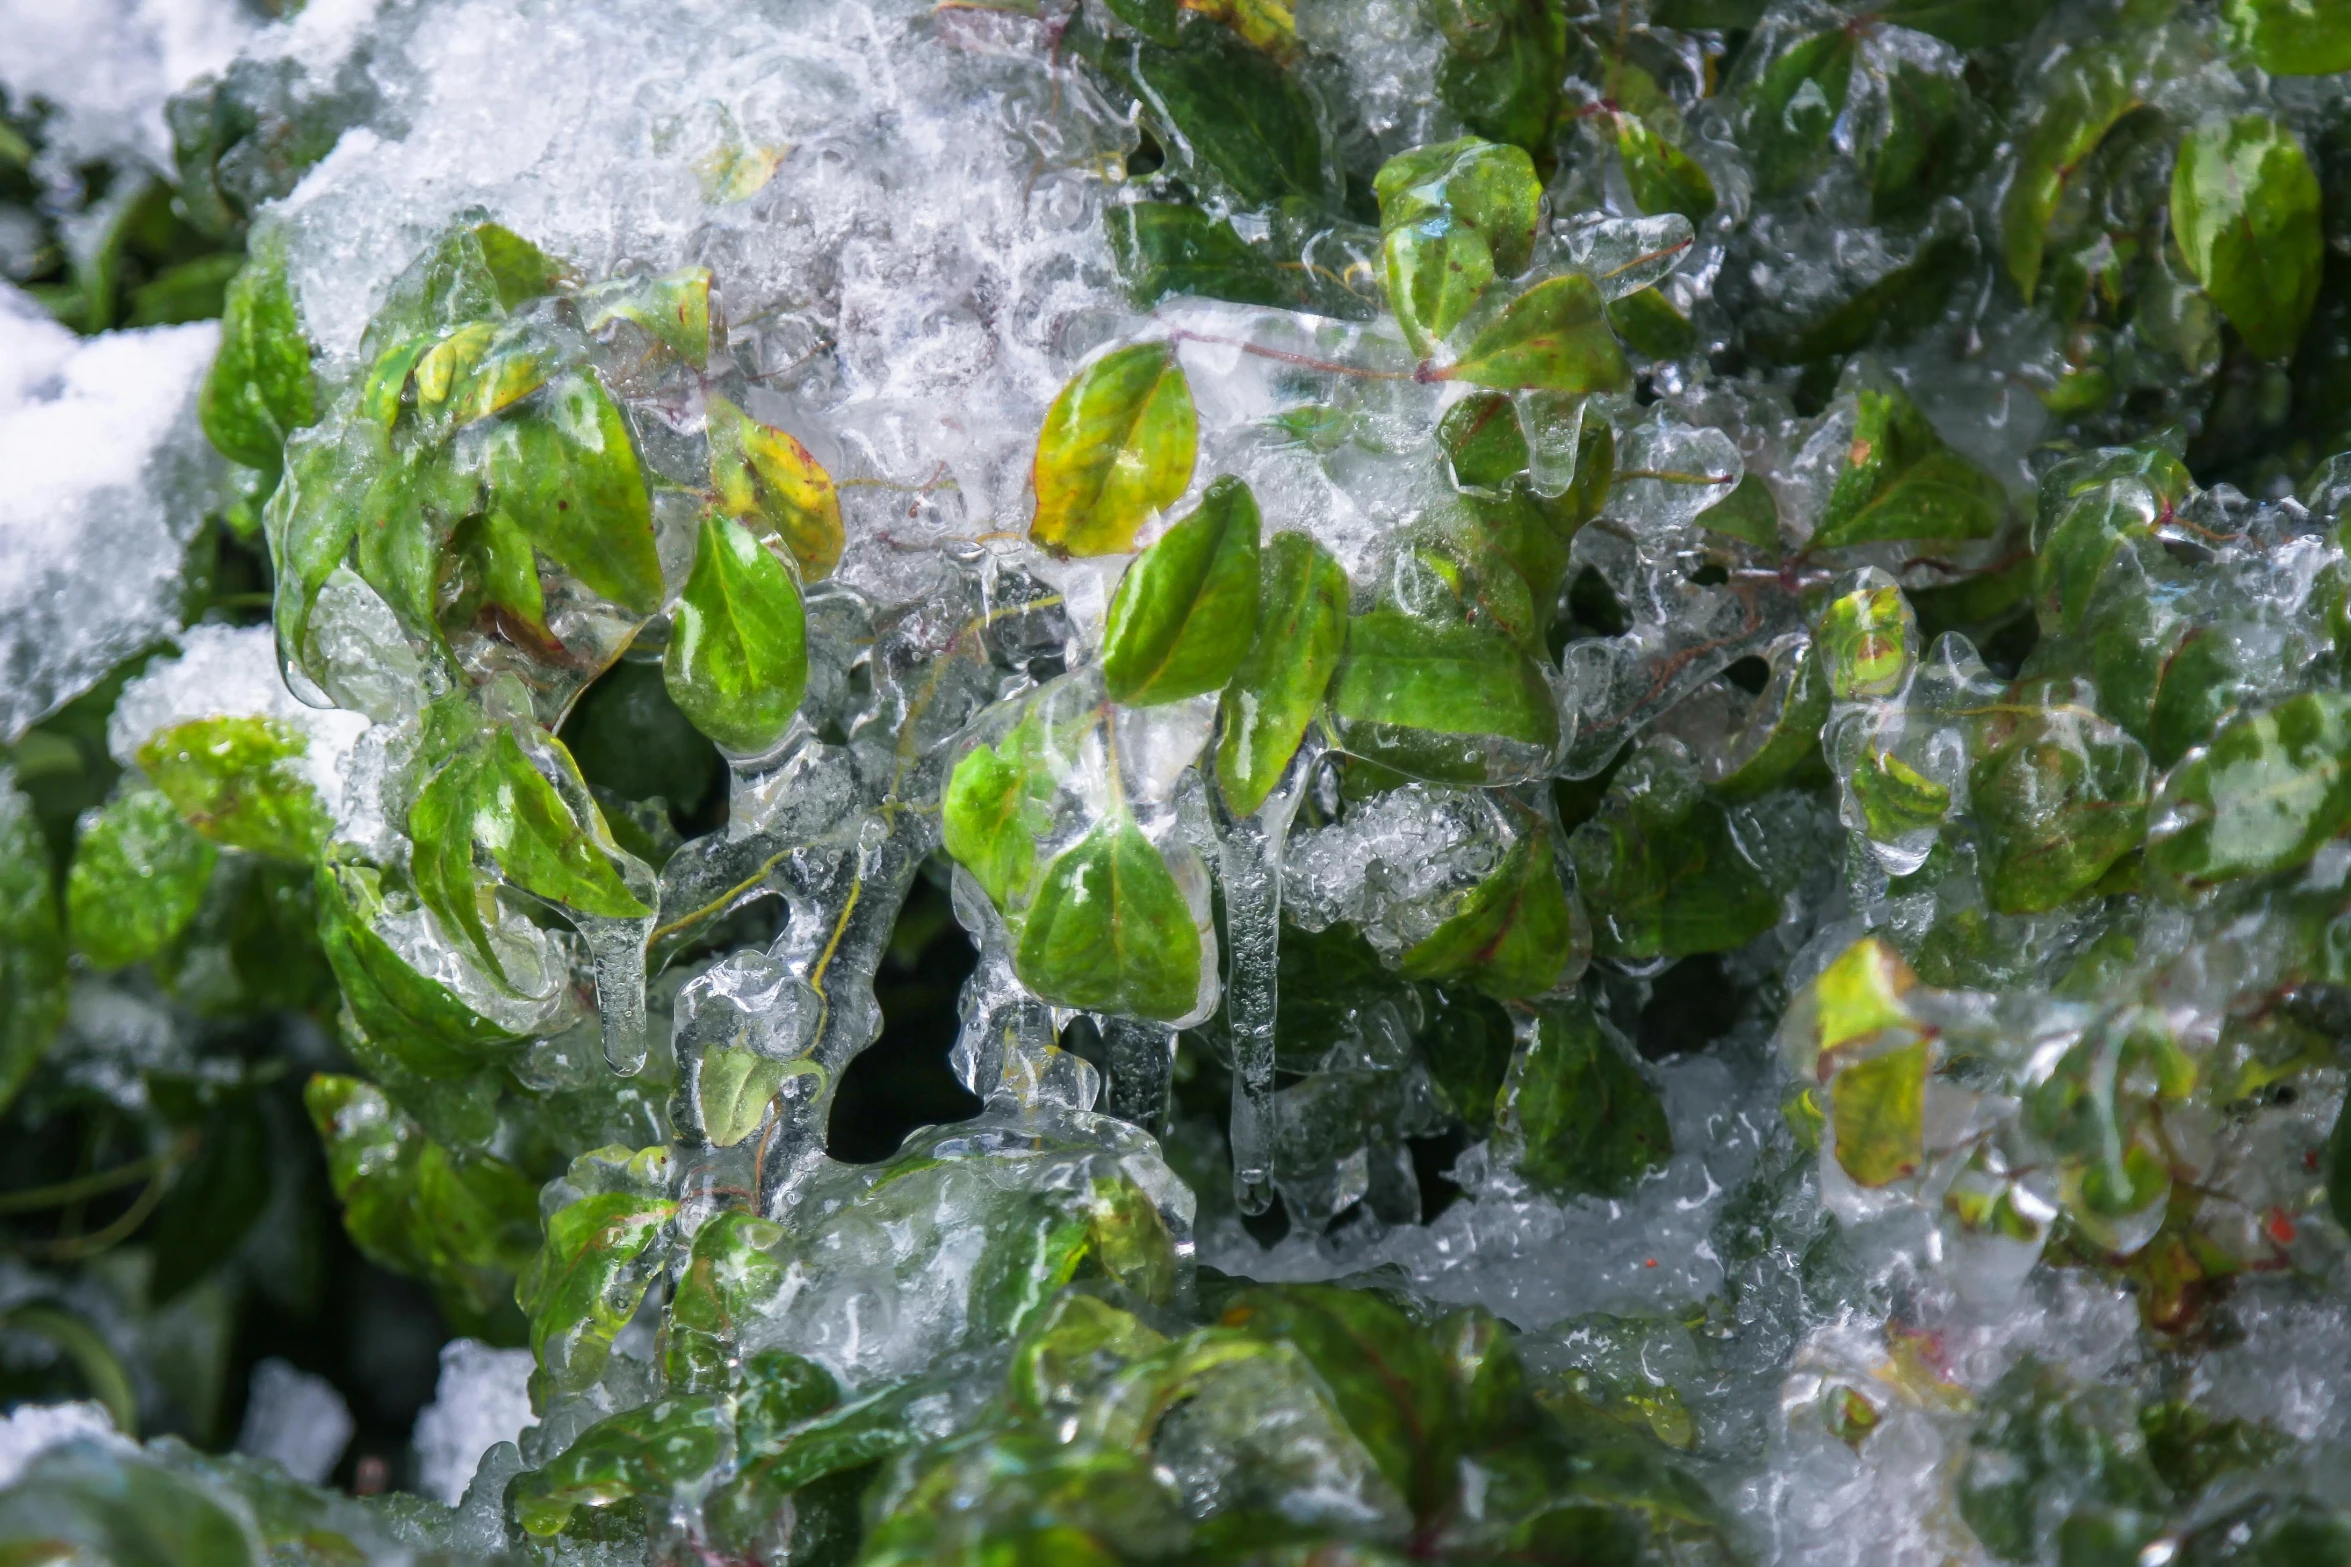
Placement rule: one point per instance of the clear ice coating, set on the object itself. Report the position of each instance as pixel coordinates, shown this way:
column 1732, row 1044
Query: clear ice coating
column 1639, row 712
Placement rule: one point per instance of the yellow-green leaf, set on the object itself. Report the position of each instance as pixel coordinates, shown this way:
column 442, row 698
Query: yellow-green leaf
column 767, row 480
column 1877, row 1109
column 1118, row 445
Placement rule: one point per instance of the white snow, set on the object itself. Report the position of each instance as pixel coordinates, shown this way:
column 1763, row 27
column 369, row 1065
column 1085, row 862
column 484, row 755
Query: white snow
column 225, row 671
column 108, row 480
column 108, row 65
column 482, row 1399
column 295, row 1419
column 29, row 1430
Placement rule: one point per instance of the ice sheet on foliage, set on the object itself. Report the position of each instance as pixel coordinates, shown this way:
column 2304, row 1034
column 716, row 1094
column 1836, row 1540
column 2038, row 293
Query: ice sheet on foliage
column 108, row 479
column 224, row 671
column 910, row 286
column 1817, row 1502
column 482, row 1399
column 1534, row 1261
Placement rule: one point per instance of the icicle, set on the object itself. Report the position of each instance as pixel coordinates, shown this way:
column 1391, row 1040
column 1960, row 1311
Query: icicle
column 1251, row 854
column 618, row 948
column 1554, row 427
column 1141, row 1054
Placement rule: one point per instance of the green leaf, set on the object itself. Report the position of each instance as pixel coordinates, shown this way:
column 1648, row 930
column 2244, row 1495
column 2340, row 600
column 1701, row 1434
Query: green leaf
column 815, row 1480
column 2244, row 207
column 519, row 270
column 214, row 1200
column 651, row 1451
column 1471, row 184
column 2291, row 37
column 1661, row 871
column 1877, row 1108
column 1651, row 326
column 1502, row 69
column 1578, row 1116
column 2338, row 1168
column 1515, row 934
column 1896, row 798
column 539, row 843
column 997, row 801
column 1662, row 176
column 1483, row 441
column 1971, row 24
column 139, row 873
column 240, row 782
column 734, row 1269
column 768, row 481
column 2059, row 794
column 1234, row 118
column 1781, row 732
column 1900, row 481
column 1901, row 304
column 1748, row 514
column 1468, row 1046
column 478, row 271
column 1117, row 445
column 2190, row 1449
column 1452, row 703
column 440, row 858
column 1922, row 141
column 93, row 1359
column 1383, row 1375
column 1186, row 611
column 194, row 290
column 2094, row 90
column 259, row 389
column 1554, row 337
column 563, row 468
column 2109, row 523
column 417, row 1018
column 32, row 943
column 2203, row 678
column 675, row 308
column 1111, row 931
column 496, row 573
column 779, row 1389
column 1435, row 272
column 1708, row 13
column 1868, row 640
column 732, row 1088
column 1794, row 102
column 409, row 511
column 81, row 1502
column 371, row 1151
column 2096, row 1108
column 737, row 661
column 479, row 1217
column 1301, row 631
column 2261, row 798
column 585, row 1283
column 1168, row 249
